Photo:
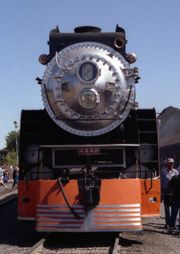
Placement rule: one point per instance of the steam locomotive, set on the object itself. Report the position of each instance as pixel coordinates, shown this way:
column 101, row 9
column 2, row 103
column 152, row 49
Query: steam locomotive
column 89, row 161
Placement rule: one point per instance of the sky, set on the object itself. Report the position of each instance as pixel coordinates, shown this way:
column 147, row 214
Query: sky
column 152, row 30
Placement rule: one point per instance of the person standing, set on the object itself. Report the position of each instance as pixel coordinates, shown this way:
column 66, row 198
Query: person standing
column 166, row 175
column 1, row 178
column 15, row 177
column 5, row 175
column 174, row 184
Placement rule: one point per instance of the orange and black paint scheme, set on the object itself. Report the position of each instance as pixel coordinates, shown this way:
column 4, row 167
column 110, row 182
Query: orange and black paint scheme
column 103, row 183
column 118, row 185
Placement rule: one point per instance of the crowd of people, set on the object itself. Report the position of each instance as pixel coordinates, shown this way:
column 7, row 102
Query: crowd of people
column 170, row 191
column 6, row 174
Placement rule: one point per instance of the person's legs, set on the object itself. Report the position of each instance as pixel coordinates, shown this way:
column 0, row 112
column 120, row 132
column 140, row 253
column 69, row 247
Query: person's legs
column 174, row 213
column 13, row 184
column 167, row 213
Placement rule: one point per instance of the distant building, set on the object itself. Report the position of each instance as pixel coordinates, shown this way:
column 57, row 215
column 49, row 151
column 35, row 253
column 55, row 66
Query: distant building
column 169, row 134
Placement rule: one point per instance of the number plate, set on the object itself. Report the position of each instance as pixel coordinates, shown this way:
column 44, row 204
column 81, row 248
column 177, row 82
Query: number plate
column 89, row 151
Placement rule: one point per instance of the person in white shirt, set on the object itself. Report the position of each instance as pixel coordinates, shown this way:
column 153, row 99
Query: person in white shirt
column 166, row 175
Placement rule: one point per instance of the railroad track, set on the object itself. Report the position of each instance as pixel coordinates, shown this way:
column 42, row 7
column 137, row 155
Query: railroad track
column 77, row 244
column 4, row 191
column 60, row 244
column 8, row 195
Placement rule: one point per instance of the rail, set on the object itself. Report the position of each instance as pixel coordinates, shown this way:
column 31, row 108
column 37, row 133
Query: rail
column 8, row 196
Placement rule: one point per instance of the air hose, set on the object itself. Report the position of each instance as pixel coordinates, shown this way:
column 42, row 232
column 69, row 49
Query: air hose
column 76, row 215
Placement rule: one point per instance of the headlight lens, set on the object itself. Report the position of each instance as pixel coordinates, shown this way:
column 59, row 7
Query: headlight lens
column 88, row 72
column 89, row 98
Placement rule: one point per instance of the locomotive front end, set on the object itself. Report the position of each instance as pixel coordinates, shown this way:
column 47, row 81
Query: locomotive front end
column 89, row 159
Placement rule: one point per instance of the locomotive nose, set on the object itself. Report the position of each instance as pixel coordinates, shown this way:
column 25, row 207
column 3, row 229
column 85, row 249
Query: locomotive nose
column 88, row 89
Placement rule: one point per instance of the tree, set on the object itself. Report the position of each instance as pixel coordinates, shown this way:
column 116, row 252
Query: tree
column 10, row 157
column 11, row 141
column 3, row 154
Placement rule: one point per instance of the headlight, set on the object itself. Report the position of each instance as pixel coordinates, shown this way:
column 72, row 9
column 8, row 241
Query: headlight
column 89, row 98
column 88, row 72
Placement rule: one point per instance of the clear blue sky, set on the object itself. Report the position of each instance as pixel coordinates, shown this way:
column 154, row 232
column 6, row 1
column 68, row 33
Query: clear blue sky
column 152, row 29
